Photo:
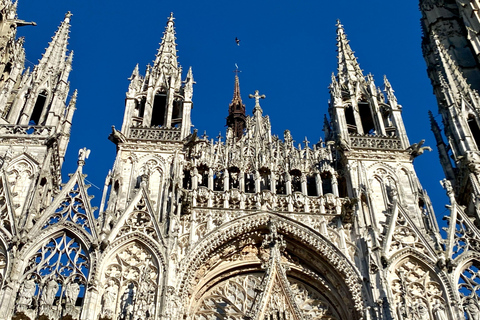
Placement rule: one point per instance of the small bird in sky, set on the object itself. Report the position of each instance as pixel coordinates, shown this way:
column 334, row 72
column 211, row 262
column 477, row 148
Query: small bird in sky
column 237, row 41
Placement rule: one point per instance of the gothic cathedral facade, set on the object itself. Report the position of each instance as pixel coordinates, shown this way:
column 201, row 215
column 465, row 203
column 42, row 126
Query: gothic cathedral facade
column 250, row 227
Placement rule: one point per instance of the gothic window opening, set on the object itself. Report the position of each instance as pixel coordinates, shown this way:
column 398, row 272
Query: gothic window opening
column 265, row 175
column 38, row 108
column 249, row 183
column 387, row 121
column 474, row 129
column 187, row 180
column 55, row 278
column 281, row 187
column 312, row 186
column 342, row 187
column 350, row 118
column 326, row 182
column 367, row 118
column 296, row 180
column 177, row 113
column 140, row 109
column 218, row 181
column 203, row 176
column 234, row 177
column 159, row 108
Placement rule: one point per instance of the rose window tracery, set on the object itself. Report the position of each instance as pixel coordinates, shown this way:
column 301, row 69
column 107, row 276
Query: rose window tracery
column 54, row 280
column 131, row 285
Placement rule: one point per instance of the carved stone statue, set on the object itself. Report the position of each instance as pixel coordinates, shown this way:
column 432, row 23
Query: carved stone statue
column 421, row 311
column 26, row 293
column 472, row 309
column 438, row 311
column 71, row 293
column 49, row 292
column 109, row 299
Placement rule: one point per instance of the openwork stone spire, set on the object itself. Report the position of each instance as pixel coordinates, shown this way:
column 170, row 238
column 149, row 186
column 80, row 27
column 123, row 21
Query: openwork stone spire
column 167, row 54
column 236, row 111
column 348, row 68
column 56, row 53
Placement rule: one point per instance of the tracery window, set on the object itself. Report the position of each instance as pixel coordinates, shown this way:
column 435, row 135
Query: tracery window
column 469, row 288
column 417, row 292
column 131, row 284
column 54, row 280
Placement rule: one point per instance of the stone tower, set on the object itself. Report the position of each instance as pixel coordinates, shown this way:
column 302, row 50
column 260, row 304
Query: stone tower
column 250, row 226
column 450, row 47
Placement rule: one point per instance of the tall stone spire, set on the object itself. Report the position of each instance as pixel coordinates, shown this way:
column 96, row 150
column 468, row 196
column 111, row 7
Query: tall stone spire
column 166, row 59
column 442, row 148
column 349, row 71
column 236, row 111
column 56, row 53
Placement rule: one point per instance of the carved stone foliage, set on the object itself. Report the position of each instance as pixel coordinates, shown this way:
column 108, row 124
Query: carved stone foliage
column 405, row 237
column 233, row 298
column 54, row 280
column 130, row 284
column 417, row 291
column 139, row 221
column 469, row 288
column 71, row 209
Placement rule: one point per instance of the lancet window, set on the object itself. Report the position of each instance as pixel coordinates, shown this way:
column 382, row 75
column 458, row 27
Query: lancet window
column 350, row 118
column 35, row 118
column 326, row 182
column 368, row 122
column 234, row 178
column 187, row 180
column 281, row 187
column 249, row 183
column 296, row 180
column 177, row 113
column 265, row 175
column 218, row 181
column 312, row 186
column 131, row 284
column 203, row 176
column 474, row 129
column 54, row 280
column 159, row 108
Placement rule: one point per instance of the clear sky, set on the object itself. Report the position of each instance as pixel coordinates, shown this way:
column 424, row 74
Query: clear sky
column 287, row 52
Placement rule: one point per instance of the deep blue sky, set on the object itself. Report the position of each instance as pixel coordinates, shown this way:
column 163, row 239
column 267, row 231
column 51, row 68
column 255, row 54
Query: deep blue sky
column 287, row 52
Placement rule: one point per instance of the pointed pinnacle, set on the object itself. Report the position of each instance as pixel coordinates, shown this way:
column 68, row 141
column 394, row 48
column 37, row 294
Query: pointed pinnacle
column 167, row 53
column 56, row 52
column 348, row 67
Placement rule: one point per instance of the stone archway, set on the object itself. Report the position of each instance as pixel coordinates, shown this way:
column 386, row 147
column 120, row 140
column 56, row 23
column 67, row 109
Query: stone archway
column 237, row 279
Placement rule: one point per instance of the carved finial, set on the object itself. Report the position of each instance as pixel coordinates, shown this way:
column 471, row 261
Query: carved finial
column 82, row 155
column 257, row 98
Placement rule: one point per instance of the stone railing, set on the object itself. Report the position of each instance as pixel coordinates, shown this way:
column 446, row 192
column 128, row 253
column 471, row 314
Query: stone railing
column 9, row 130
column 375, row 142
column 265, row 200
column 159, row 134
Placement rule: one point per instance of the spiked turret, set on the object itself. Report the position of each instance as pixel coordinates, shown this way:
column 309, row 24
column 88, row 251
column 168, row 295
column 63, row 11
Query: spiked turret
column 236, row 111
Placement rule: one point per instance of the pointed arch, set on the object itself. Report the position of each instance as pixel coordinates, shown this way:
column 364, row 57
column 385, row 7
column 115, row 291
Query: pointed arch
column 130, row 277
column 56, row 270
column 418, row 287
column 207, row 262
